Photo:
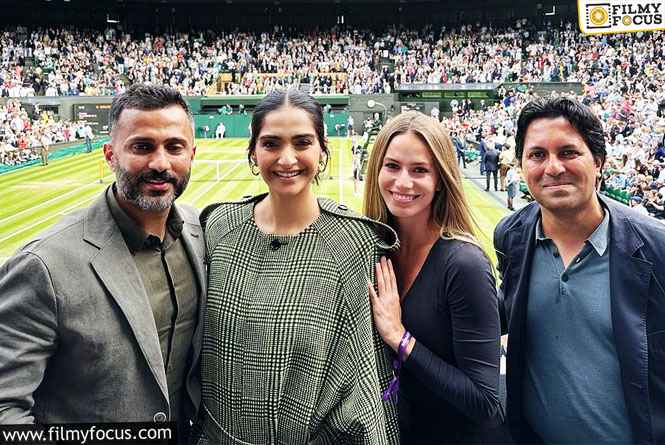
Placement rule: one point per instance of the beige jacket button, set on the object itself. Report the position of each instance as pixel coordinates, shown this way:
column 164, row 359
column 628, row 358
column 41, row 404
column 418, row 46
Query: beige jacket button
column 159, row 417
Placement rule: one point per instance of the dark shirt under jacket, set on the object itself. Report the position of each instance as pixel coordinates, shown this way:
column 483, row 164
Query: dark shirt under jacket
column 170, row 284
column 449, row 383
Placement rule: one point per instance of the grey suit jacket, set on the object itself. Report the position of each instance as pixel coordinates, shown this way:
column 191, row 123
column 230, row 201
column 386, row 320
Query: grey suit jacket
column 78, row 341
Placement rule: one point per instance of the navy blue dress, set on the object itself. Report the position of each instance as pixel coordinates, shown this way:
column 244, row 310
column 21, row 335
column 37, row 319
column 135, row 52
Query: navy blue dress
column 449, row 383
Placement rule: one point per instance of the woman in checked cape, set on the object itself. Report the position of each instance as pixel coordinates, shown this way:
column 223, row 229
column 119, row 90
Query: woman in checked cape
column 290, row 355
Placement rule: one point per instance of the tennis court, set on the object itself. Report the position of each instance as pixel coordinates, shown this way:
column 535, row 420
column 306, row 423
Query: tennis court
column 36, row 197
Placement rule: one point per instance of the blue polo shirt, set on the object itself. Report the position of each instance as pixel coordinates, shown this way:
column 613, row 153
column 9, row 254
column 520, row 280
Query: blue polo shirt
column 572, row 390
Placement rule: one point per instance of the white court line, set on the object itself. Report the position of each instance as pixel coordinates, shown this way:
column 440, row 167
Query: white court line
column 55, row 215
column 67, row 210
column 78, row 204
column 207, row 188
column 52, row 200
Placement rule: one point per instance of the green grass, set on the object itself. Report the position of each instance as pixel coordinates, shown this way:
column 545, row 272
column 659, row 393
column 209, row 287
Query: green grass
column 34, row 198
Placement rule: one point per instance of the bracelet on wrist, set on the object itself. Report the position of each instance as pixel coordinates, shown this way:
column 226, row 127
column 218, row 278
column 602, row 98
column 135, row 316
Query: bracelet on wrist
column 403, row 345
column 393, row 387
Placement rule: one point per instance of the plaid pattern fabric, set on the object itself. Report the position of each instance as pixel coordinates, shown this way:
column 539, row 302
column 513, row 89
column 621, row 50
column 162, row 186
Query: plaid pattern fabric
column 290, row 355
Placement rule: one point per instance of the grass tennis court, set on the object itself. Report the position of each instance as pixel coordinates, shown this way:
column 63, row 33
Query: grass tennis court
column 34, row 198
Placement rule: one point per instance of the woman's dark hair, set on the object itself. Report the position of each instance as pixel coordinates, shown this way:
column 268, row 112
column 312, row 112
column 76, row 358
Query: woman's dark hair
column 580, row 117
column 294, row 98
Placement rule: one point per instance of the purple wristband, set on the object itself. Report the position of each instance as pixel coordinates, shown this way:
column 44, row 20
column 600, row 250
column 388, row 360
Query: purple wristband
column 393, row 387
column 403, row 344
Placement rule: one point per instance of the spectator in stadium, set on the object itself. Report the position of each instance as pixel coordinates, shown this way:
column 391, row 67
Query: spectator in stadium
column 506, row 161
column 98, row 313
column 459, row 150
column 88, row 136
column 220, row 130
column 513, row 182
column 435, row 303
column 288, row 300
column 45, row 142
column 357, row 163
column 491, row 161
column 653, row 202
column 581, row 285
column 435, row 113
column 482, row 149
column 636, row 204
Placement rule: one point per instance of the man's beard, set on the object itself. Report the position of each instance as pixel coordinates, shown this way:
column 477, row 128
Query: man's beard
column 129, row 188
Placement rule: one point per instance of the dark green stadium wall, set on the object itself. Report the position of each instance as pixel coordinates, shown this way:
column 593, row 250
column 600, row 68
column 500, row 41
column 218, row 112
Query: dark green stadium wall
column 237, row 125
column 338, row 108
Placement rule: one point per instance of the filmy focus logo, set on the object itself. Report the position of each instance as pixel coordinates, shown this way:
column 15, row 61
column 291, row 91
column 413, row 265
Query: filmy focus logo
column 616, row 16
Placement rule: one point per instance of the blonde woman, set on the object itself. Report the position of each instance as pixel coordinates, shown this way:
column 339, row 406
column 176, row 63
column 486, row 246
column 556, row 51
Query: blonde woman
column 435, row 301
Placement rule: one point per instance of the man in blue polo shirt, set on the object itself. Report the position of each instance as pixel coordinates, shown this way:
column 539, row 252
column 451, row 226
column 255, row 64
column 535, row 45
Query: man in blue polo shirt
column 582, row 291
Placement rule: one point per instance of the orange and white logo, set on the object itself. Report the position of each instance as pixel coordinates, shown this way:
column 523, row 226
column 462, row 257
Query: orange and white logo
column 617, row 16
column 598, row 16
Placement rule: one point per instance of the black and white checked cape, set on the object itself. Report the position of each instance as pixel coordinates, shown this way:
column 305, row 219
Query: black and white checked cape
column 290, row 355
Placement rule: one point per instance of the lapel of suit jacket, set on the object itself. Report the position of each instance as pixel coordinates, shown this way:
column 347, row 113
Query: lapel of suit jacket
column 629, row 294
column 117, row 271
column 521, row 239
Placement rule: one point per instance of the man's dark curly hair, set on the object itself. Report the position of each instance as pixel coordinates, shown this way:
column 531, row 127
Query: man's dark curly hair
column 580, row 117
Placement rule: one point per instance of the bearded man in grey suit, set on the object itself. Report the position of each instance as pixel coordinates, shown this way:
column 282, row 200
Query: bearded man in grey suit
column 98, row 314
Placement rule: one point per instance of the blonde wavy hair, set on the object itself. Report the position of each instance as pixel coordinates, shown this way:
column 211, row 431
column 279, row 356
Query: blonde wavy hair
column 450, row 210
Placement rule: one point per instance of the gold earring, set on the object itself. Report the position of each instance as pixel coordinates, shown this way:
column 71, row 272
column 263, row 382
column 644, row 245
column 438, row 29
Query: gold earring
column 254, row 168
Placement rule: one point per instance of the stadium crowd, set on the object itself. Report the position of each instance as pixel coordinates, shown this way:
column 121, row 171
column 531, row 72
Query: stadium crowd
column 23, row 133
column 621, row 75
column 633, row 121
column 60, row 62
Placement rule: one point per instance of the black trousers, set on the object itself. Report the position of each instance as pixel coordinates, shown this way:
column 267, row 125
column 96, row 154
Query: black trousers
column 460, row 158
column 487, row 178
